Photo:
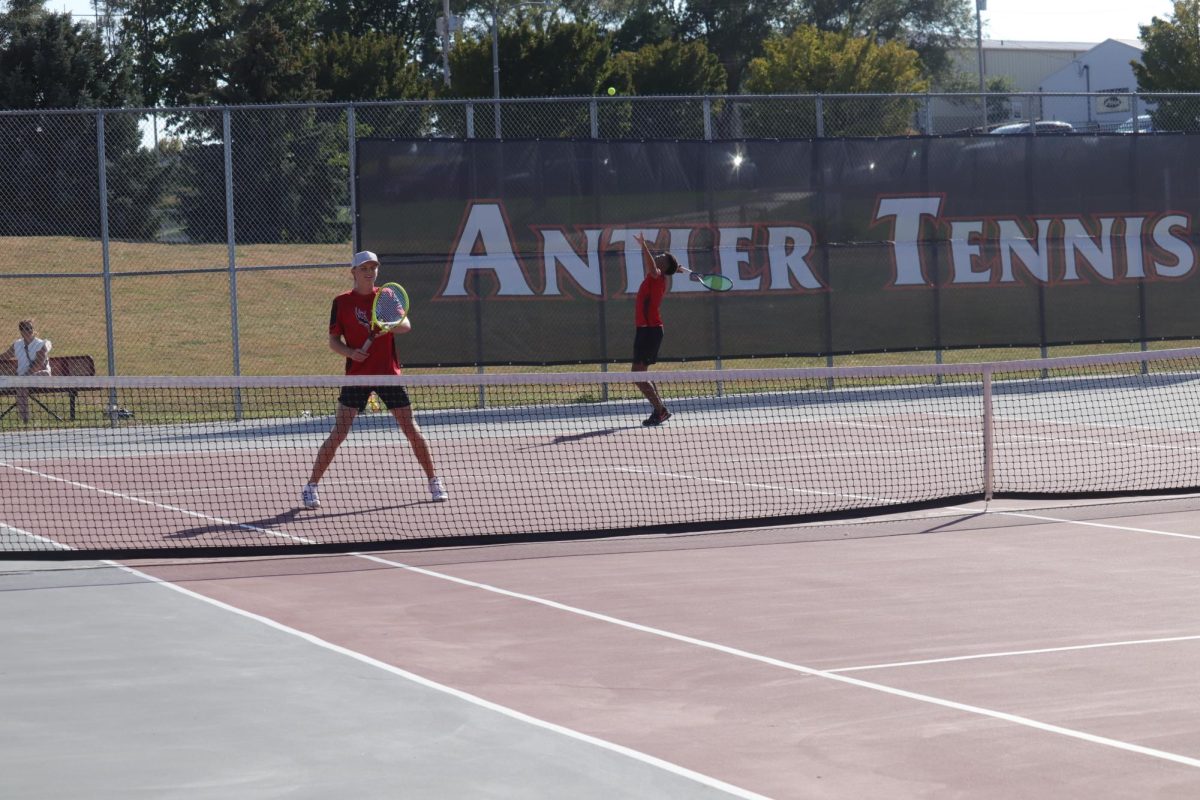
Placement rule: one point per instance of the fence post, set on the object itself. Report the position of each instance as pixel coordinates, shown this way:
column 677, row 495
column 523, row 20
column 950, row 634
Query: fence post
column 102, row 176
column 105, row 251
column 593, row 110
column 352, row 135
column 710, row 203
column 820, row 111
column 231, row 246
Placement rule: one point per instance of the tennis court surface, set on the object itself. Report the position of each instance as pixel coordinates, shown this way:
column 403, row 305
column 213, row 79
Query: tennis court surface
column 603, row 610
column 1039, row 653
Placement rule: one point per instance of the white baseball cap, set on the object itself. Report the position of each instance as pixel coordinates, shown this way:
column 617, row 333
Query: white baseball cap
column 365, row 257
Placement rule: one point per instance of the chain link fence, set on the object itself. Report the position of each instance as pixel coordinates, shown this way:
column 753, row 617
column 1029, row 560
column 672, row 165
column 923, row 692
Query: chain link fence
column 209, row 241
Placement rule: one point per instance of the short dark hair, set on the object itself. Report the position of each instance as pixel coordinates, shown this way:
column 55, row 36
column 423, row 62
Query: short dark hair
column 25, row 325
column 667, row 263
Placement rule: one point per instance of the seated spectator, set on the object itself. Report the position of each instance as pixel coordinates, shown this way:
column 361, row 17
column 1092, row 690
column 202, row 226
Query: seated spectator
column 33, row 358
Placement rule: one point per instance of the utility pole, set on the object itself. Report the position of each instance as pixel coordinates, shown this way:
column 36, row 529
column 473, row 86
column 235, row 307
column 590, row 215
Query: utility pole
column 981, row 5
column 446, row 25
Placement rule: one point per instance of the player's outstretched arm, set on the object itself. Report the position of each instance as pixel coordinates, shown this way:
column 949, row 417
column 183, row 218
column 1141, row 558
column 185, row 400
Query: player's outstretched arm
column 649, row 264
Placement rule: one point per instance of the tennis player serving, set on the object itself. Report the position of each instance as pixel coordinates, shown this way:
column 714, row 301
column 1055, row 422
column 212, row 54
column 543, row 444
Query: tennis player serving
column 367, row 352
column 648, row 336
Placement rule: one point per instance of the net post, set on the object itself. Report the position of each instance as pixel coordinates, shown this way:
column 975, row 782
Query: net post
column 988, row 444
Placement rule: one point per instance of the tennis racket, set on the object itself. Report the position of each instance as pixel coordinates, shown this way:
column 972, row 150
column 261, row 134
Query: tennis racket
column 712, row 280
column 387, row 311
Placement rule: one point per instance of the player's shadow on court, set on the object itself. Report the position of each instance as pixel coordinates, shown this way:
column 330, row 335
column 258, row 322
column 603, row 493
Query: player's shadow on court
column 269, row 525
column 579, row 437
column 240, row 527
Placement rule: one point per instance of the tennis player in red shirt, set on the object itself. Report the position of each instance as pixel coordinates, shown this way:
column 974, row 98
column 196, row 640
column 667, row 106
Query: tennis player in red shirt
column 648, row 336
column 349, row 327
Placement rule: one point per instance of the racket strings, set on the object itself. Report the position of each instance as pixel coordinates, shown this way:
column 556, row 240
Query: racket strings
column 389, row 308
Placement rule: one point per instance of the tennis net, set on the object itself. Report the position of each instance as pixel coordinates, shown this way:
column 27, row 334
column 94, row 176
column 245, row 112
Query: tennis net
column 141, row 466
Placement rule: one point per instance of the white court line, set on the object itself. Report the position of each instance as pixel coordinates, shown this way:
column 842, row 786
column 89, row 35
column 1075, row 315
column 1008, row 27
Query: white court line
column 1095, row 646
column 1009, row 437
column 44, row 540
column 829, row 455
column 163, row 506
column 810, row 671
column 636, row 755
column 1085, row 523
column 1028, row 437
column 1010, row 442
column 768, row 486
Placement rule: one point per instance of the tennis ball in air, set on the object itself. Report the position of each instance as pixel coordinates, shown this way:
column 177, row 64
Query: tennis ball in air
column 612, row 90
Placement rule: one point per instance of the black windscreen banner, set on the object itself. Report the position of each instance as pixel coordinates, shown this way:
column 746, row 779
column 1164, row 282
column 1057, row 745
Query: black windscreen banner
column 523, row 252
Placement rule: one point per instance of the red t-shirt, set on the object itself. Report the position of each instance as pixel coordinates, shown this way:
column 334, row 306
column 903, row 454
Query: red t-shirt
column 350, row 318
column 649, row 298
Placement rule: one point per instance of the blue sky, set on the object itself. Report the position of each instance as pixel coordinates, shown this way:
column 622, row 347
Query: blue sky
column 1030, row 20
column 1070, row 20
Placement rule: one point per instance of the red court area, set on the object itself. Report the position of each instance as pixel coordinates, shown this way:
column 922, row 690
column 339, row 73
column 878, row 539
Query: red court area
column 1013, row 653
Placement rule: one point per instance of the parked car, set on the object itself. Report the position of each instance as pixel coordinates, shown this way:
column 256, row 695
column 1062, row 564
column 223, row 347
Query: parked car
column 1145, row 124
column 1044, row 126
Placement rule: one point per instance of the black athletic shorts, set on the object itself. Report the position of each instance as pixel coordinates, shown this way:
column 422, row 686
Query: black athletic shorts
column 356, row 396
column 646, row 342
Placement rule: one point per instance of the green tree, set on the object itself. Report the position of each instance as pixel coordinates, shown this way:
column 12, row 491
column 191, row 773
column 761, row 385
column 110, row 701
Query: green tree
column 734, row 31
column 288, row 175
column 410, row 23
column 559, row 59
column 289, row 181
column 930, row 27
column 265, row 66
column 811, row 61
column 180, row 48
column 1171, row 63
column 285, row 183
column 373, row 66
column 232, row 51
column 999, row 108
column 51, row 175
column 631, row 24
column 48, row 60
column 669, row 67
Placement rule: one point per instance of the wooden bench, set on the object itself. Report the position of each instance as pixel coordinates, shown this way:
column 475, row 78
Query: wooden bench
column 60, row 366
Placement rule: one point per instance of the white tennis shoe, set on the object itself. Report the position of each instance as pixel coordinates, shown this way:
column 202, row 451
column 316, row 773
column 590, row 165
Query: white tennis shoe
column 438, row 491
column 309, row 496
